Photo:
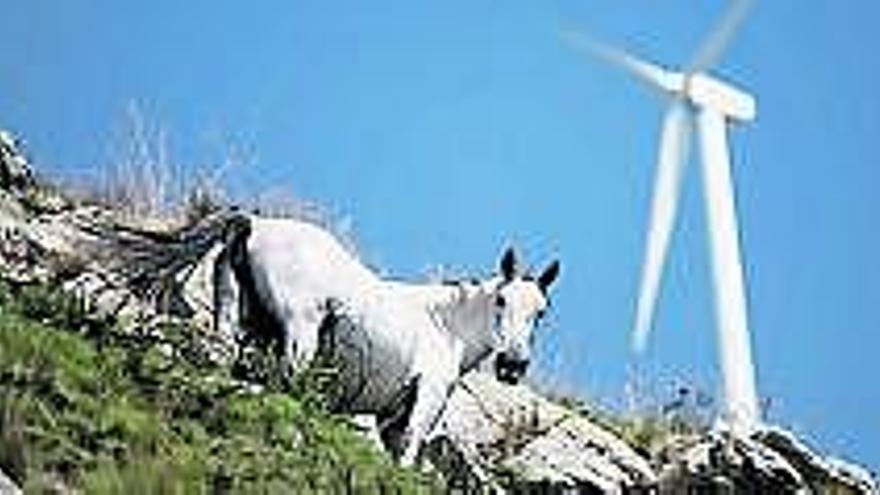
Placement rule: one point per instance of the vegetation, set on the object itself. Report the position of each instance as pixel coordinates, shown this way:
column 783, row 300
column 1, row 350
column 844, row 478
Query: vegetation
column 83, row 406
column 659, row 416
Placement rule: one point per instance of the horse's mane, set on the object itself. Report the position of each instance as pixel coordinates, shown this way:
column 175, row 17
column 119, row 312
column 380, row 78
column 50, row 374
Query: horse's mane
column 457, row 282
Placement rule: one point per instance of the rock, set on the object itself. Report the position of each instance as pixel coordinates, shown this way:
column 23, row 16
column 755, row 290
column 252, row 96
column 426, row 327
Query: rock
column 21, row 257
column 771, row 461
column 503, row 437
column 498, row 438
column 717, row 462
column 15, row 172
column 17, row 178
column 11, row 210
column 821, row 474
column 7, row 486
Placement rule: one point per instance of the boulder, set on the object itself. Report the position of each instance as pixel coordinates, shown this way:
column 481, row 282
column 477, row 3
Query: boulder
column 15, row 172
column 7, row 486
column 771, row 461
column 821, row 474
column 717, row 462
column 501, row 437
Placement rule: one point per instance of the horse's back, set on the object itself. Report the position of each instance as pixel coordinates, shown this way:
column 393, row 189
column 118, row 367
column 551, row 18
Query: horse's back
column 301, row 257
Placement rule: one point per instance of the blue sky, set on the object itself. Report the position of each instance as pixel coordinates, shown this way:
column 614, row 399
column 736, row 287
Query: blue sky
column 445, row 132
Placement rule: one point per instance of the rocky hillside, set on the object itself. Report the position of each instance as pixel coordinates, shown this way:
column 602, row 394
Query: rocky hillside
column 492, row 437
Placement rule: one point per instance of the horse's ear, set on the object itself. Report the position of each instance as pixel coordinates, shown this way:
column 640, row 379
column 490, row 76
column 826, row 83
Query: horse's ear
column 549, row 275
column 508, row 264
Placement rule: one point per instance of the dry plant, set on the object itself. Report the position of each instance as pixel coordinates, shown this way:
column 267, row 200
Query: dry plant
column 660, row 408
column 139, row 178
column 142, row 180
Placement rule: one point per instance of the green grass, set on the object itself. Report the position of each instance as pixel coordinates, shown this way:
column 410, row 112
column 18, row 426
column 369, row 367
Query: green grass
column 86, row 408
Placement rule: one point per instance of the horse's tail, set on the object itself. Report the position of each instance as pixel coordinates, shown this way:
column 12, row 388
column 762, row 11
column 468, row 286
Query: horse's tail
column 194, row 242
column 152, row 266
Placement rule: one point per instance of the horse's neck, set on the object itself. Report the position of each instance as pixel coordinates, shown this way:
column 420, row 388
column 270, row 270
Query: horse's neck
column 462, row 309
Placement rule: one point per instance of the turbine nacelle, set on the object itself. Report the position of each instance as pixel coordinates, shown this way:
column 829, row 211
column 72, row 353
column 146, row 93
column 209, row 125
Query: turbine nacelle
column 703, row 90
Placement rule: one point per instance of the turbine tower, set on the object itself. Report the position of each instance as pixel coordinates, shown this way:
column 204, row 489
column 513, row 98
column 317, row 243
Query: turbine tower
column 701, row 100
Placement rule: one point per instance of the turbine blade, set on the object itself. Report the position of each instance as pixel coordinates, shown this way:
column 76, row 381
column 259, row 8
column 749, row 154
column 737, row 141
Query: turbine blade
column 714, row 44
column 652, row 74
column 674, row 147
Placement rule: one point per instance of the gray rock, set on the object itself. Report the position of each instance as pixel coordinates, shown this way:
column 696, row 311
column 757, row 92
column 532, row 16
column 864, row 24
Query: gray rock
column 717, row 462
column 511, row 438
column 821, row 474
column 771, row 461
column 15, row 172
column 7, row 486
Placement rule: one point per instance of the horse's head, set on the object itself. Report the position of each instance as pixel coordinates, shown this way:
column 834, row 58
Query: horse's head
column 518, row 303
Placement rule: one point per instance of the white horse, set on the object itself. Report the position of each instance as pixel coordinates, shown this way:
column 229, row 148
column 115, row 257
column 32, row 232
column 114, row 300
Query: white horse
column 421, row 337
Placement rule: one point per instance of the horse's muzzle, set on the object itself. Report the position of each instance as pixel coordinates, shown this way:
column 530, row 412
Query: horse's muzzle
column 509, row 369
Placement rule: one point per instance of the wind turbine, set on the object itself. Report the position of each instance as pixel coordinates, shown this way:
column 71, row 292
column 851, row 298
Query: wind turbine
column 699, row 99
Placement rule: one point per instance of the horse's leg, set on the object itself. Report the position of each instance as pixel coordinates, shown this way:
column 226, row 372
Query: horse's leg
column 438, row 367
column 227, row 294
column 301, row 328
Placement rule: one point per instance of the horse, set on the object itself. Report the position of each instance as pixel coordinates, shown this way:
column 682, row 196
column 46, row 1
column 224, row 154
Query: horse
column 296, row 276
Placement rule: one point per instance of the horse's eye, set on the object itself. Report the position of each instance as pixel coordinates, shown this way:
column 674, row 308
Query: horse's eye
column 500, row 301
